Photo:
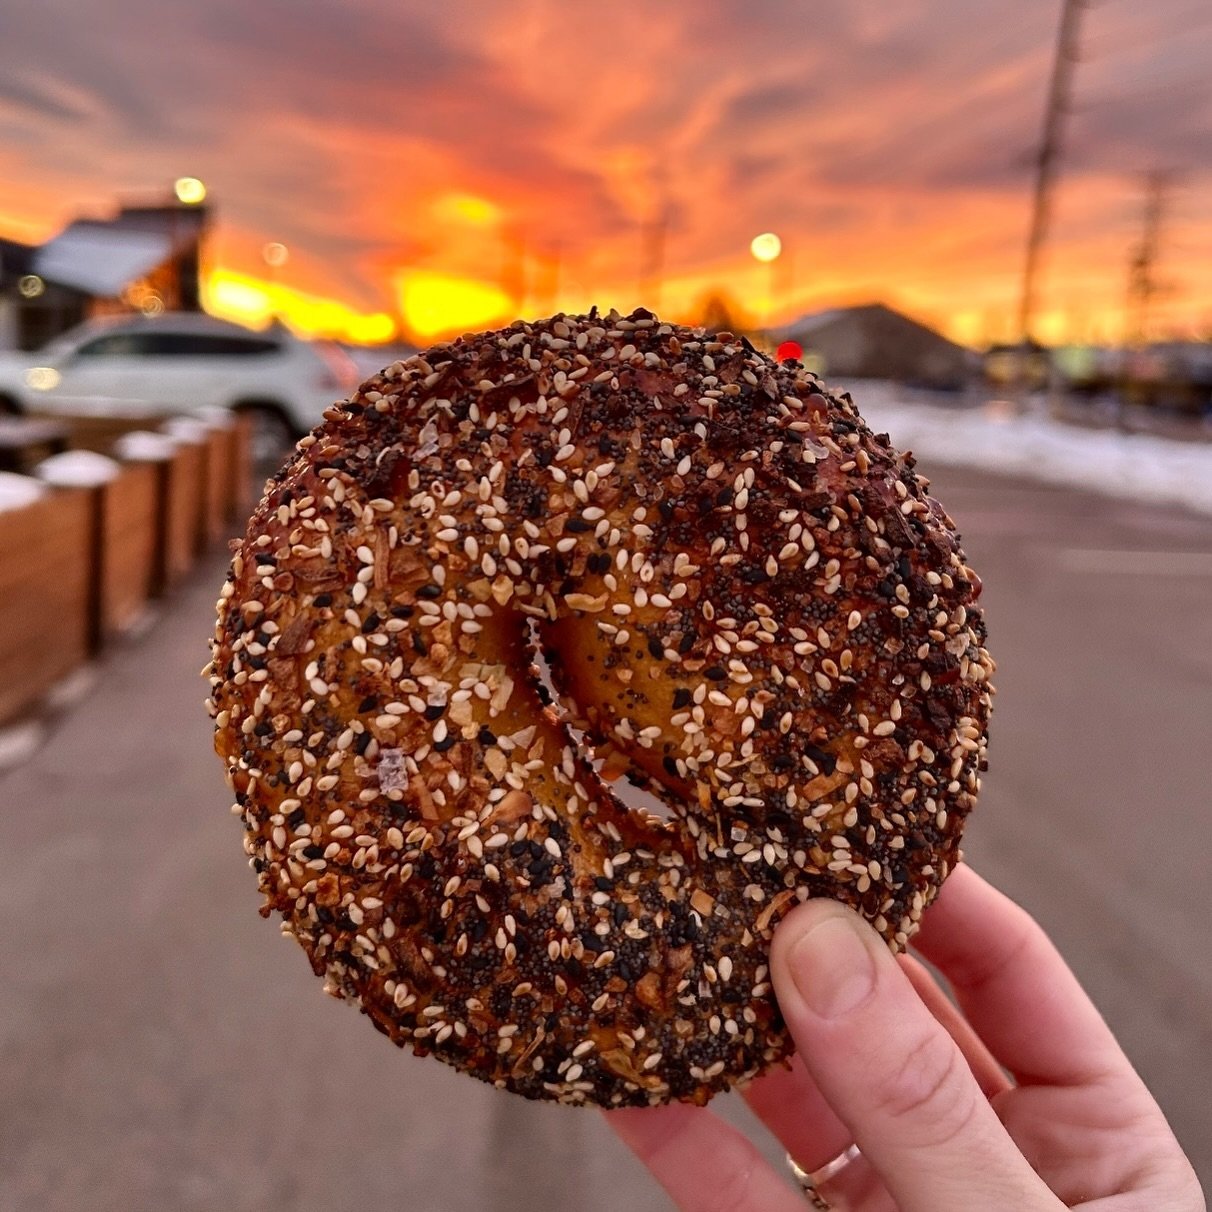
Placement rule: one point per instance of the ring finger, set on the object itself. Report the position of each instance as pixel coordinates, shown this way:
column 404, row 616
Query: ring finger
column 788, row 1102
column 701, row 1161
column 790, row 1105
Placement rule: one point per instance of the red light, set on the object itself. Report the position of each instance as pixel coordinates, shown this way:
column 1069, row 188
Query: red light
column 790, row 351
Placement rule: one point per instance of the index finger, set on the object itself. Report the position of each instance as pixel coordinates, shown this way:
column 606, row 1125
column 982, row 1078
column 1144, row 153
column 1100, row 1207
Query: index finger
column 1014, row 987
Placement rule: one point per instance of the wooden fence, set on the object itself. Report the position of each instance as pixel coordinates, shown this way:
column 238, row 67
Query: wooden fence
column 44, row 595
column 79, row 565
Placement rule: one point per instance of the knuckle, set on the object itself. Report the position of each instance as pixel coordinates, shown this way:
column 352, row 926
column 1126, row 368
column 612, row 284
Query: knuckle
column 928, row 1091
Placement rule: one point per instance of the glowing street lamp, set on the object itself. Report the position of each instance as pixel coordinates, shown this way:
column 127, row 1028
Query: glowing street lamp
column 766, row 249
column 275, row 254
column 189, row 190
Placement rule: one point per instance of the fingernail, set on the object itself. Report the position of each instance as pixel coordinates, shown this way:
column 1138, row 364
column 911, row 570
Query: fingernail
column 832, row 967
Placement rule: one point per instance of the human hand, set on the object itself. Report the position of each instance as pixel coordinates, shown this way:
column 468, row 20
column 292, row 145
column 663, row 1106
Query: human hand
column 1023, row 1102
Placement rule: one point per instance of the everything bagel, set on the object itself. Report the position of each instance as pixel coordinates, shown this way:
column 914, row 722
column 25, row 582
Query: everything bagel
column 749, row 606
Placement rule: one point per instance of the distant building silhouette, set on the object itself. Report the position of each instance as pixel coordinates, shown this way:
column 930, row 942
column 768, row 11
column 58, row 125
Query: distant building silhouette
column 145, row 258
column 873, row 341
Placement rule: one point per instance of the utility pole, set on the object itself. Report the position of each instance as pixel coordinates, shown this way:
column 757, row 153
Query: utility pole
column 1059, row 88
column 1142, row 285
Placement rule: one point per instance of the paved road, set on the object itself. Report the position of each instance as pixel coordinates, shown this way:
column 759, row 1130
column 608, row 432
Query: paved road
column 162, row 1049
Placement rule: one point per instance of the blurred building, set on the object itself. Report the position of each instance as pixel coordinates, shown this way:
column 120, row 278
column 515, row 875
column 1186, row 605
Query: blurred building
column 1173, row 375
column 144, row 258
column 1026, row 366
column 875, row 342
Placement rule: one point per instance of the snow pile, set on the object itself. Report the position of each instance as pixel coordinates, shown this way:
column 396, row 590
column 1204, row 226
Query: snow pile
column 186, row 429
column 143, row 446
column 1137, row 467
column 213, row 415
column 77, row 468
column 18, row 491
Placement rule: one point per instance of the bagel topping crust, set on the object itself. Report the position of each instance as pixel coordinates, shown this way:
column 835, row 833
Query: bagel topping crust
column 748, row 605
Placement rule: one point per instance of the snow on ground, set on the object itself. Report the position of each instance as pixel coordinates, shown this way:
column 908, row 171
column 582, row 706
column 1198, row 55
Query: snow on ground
column 997, row 438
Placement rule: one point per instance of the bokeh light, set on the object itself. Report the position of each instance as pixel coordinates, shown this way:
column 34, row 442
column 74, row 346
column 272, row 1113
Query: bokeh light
column 275, row 254
column 766, row 247
column 189, row 190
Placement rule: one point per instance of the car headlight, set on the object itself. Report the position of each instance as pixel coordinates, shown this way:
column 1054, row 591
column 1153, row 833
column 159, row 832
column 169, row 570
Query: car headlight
column 42, row 378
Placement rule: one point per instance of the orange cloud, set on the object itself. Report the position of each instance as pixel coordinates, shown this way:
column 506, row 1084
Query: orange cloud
column 436, row 304
column 256, row 302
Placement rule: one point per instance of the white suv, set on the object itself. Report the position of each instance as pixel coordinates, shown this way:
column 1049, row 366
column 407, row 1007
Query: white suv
column 182, row 361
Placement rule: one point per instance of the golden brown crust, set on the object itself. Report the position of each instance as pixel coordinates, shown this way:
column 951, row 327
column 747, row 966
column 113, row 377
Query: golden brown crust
column 749, row 604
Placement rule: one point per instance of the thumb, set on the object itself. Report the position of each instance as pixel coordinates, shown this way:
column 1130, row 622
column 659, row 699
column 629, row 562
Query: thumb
column 891, row 1073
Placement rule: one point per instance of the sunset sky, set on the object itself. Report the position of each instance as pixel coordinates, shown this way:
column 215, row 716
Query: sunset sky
column 450, row 165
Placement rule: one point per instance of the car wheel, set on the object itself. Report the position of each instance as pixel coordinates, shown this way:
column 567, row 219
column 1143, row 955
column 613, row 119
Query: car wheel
column 272, row 434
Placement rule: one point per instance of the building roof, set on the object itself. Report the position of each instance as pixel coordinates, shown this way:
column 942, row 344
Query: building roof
column 817, row 320
column 874, row 341
column 99, row 259
column 814, row 320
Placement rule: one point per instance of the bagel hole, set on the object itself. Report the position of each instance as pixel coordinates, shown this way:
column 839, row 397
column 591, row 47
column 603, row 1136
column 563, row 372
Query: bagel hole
column 635, row 798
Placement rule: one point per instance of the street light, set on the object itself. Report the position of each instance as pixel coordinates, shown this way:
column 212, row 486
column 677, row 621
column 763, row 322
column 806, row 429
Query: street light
column 766, row 249
column 189, row 190
column 275, row 254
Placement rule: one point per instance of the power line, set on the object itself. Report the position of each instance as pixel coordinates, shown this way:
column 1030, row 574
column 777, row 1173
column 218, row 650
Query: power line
column 1059, row 90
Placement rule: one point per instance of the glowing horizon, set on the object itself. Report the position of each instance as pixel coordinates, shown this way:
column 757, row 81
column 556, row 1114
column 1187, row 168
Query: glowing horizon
column 887, row 147
column 427, row 304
